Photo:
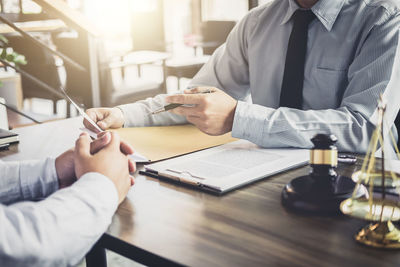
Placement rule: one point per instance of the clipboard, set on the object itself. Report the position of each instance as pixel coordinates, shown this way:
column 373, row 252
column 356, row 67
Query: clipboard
column 221, row 169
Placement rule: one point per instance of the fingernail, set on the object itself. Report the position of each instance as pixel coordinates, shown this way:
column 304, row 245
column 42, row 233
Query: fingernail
column 106, row 135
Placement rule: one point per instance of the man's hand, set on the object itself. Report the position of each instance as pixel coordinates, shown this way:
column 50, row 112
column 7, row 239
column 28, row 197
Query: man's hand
column 105, row 118
column 213, row 113
column 65, row 166
column 109, row 161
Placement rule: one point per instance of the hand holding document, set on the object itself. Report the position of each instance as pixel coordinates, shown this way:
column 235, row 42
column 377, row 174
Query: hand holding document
column 211, row 113
column 135, row 156
column 175, row 105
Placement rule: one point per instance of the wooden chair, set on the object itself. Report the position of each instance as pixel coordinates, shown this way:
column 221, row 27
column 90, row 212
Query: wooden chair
column 41, row 64
column 214, row 34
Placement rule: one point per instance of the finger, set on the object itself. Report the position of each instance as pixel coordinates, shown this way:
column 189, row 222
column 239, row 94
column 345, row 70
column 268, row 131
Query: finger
column 187, row 111
column 89, row 126
column 200, row 90
column 82, row 145
column 115, row 142
column 101, row 134
column 93, row 114
column 126, row 148
column 106, row 123
column 185, row 99
column 195, row 121
column 132, row 180
column 131, row 165
column 102, row 141
column 200, row 124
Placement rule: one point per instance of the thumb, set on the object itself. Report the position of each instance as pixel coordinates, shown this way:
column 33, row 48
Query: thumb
column 114, row 143
column 82, row 145
column 102, row 140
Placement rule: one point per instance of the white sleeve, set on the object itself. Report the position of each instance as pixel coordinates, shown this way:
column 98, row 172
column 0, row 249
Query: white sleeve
column 61, row 229
column 138, row 113
column 27, row 180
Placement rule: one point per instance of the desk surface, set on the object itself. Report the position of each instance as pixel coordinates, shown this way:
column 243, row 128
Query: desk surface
column 247, row 227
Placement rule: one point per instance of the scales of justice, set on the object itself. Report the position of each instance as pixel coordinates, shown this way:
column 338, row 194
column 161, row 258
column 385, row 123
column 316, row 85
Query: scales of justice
column 381, row 204
column 372, row 193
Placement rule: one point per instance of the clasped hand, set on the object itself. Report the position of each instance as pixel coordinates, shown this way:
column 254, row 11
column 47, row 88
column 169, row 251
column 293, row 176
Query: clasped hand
column 106, row 155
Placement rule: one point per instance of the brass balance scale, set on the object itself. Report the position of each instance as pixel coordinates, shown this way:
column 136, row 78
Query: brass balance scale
column 381, row 204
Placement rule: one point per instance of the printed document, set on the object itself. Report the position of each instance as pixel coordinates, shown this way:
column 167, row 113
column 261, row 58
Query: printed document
column 229, row 166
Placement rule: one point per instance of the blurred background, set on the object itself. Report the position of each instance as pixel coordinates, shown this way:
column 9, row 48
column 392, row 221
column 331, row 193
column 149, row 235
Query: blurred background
column 106, row 53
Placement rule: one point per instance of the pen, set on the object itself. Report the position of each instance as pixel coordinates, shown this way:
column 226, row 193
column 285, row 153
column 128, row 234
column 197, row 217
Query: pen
column 174, row 105
column 81, row 112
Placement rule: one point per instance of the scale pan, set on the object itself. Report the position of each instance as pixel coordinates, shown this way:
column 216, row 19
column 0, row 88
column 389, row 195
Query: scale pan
column 376, row 177
column 360, row 208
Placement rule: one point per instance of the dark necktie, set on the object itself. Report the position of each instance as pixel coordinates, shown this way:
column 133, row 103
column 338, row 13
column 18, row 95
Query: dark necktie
column 293, row 76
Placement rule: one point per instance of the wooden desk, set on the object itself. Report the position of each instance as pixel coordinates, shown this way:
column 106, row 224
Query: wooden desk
column 161, row 223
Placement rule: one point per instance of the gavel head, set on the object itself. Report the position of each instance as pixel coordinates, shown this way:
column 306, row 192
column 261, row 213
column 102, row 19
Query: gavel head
column 323, row 156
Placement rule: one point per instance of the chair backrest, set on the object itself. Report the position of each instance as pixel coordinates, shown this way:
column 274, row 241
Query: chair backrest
column 215, row 31
column 41, row 64
column 147, row 29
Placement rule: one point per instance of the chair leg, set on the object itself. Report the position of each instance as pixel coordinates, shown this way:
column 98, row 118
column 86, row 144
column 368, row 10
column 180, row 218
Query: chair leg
column 96, row 257
column 54, row 106
column 165, row 75
column 68, row 110
column 178, row 79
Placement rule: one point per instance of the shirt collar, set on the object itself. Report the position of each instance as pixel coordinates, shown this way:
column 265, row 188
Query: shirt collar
column 325, row 10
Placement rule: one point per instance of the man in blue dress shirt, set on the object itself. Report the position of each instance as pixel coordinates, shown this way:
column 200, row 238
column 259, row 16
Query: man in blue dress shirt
column 352, row 56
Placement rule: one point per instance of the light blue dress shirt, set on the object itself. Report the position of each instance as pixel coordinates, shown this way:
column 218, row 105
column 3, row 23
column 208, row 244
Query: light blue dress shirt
column 56, row 231
column 353, row 55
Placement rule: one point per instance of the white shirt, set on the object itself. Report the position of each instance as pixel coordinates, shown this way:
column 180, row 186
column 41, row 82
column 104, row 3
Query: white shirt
column 353, row 55
column 56, row 231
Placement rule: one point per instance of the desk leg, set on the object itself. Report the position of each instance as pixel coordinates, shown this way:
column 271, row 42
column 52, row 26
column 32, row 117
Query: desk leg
column 96, row 257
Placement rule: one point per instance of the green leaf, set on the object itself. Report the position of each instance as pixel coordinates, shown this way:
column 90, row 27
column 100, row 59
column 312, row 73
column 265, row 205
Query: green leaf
column 3, row 53
column 20, row 60
column 10, row 57
column 3, row 39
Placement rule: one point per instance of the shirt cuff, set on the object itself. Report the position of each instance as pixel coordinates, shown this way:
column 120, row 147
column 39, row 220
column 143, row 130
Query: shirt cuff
column 133, row 115
column 249, row 120
column 38, row 178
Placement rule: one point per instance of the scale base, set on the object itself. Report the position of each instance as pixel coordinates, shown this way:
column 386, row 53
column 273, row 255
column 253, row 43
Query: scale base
column 379, row 235
column 309, row 195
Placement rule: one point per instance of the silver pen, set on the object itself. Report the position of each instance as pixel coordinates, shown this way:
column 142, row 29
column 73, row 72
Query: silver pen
column 81, row 111
column 175, row 105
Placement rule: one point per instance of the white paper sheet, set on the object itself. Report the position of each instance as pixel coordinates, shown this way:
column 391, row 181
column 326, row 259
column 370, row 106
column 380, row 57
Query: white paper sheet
column 231, row 165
